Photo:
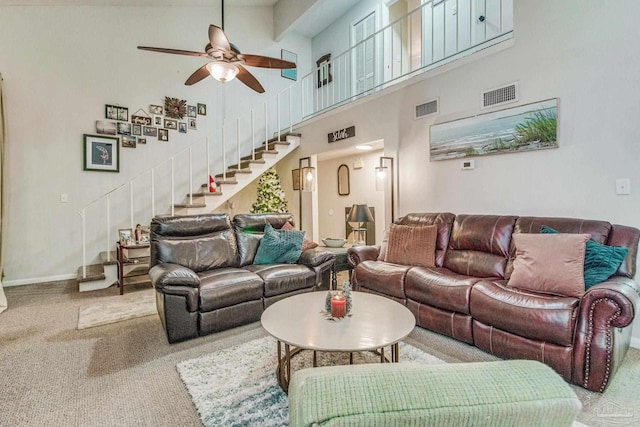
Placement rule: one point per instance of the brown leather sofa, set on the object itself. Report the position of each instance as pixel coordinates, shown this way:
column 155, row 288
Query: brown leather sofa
column 202, row 269
column 465, row 296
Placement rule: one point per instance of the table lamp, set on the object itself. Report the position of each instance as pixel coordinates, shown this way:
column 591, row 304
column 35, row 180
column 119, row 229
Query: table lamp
column 360, row 214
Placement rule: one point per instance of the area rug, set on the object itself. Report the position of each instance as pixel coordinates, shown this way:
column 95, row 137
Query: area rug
column 117, row 309
column 238, row 386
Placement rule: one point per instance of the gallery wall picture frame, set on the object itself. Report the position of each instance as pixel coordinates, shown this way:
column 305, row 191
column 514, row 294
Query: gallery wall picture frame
column 156, row 109
column 157, row 120
column 324, row 70
column 511, row 130
column 295, row 178
column 149, row 131
column 191, row 111
column 163, row 135
column 202, row 109
column 129, row 141
column 136, row 129
column 142, row 140
column 170, row 124
column 182, row 127
column 193, row 124
column 105, row 127
column 289, row 73
column 101, row 153
column 115, row 112
column 124, row 128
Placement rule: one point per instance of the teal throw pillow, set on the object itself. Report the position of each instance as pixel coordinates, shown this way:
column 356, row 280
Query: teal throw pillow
column 600, row 261
column 279, row 246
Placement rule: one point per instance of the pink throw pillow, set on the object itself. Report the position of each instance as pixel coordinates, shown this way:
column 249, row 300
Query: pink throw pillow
column 412, row 245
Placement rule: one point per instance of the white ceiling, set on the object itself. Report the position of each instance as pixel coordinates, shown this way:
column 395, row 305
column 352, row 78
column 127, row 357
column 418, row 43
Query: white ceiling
column 180, row 3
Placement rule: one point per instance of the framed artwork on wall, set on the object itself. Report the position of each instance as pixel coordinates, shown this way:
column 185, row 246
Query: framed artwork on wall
column 289, row 73
column 295, row 178
column 101, row 153
column 324, row 70
column 163, row 135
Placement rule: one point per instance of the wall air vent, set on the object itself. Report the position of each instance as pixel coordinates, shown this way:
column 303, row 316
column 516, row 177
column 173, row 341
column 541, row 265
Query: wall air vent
column 500, row 95
column 426, row 109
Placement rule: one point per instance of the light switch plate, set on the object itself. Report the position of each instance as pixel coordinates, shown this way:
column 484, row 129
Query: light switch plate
column 468, row 164
column 623, row 186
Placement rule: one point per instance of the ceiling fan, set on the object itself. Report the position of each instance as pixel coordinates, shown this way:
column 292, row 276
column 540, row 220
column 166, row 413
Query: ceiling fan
column 226, row 60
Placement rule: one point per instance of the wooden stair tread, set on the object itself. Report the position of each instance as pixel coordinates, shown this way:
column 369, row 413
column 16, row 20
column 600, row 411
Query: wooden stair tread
column 217, row 193
column 94, row 272
column 187, row 205
column 113, row 259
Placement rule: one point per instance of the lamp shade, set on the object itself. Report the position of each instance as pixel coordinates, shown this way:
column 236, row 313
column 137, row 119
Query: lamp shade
column 222, row 71
column 308, row 178
column 360, row 213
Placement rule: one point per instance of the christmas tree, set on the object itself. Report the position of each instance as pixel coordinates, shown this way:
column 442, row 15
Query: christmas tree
column 270, row 194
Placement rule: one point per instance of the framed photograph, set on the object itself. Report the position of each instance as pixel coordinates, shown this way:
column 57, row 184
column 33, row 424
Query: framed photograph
column 124, row 128
column 156, row 109
column 105, row 128
column 163, row 134
column 123, row 114
column 142, row 140
column 101, row 153
column 182, row 127
column 129, row 141
column 125, row 236
column 149, row 131
column 295, row 178
column 291, row 73
column 191, row 111
column 192, row 124
column 157, row 121
column 324, row 70
column 136, row 129
column 170, row 124
column 110, row 112
column 202, row 109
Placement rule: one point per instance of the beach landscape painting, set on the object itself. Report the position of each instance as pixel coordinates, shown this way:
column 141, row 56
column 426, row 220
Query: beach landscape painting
column 523, row 128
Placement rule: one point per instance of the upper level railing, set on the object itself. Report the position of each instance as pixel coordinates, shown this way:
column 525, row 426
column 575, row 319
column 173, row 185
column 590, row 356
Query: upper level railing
column 437, row 32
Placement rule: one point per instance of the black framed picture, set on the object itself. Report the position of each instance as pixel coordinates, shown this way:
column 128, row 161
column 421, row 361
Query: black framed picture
column 170, row 124
column 202, row 109
column 101, row 153
column 324, row 70
column 163, row 134
column 149, row 131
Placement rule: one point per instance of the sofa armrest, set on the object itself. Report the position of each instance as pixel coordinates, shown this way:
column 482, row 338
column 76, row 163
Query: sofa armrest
column 600, row 342
column 165, row 274
column 315, row 257
column 358, row 254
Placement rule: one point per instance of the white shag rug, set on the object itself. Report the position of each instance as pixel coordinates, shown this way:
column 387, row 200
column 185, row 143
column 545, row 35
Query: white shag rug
column 118, row 308
column 238, row 386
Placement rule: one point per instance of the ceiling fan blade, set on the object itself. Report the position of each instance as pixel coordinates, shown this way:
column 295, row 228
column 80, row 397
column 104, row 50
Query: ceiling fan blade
column 199, row 74
column 218, row 38
column 266, row 61
column 247, row 78
column 174, row 51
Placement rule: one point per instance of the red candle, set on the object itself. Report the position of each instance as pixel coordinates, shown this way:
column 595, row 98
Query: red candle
column 338, row 305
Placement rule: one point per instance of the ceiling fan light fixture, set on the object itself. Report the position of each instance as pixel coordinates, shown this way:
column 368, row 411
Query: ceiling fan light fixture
column 222, row 71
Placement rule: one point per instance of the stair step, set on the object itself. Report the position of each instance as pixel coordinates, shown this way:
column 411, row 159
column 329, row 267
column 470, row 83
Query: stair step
column 94, row 272
column 232, row 173
column 112, row 260
column 246, row 163
column 192, row 205
column 221, row 182
column 217, row 193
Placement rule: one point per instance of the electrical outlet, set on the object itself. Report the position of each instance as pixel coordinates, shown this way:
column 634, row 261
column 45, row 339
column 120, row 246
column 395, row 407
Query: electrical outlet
column 623, row 186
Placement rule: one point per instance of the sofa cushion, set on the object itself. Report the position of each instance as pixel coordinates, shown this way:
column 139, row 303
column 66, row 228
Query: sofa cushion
column 306, row 243
column 479, row 245
column 279, row 246
column 247, row 246
column 541, row 317
column 440, row 287
column 224, row 287
column 443, row 221
column 381, row 277
column 600, row 261
column 283, row 278
column 412, row 245
column 549, row 263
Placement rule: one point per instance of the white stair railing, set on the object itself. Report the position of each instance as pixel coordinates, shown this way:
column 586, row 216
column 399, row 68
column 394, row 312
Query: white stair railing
column 417, row 42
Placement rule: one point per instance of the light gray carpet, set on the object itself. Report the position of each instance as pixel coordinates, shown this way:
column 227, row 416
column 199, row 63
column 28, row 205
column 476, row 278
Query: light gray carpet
column 124, row 374
column 238, row 386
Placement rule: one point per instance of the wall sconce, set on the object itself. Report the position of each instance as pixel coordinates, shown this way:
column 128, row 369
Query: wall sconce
column 360, row 214
column 307, row 175
column 383, row 176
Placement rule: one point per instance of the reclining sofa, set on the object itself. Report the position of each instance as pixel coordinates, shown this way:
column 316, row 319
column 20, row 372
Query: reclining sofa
column 467, row 295
column 203, row 270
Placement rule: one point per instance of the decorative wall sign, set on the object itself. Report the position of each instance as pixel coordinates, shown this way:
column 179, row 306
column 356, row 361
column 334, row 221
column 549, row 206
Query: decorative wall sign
column 324, row 70
column 524, row 128
column 101, row 153
column 105, row 128
column 290, row 73
column 175, row 108
column 342, row 134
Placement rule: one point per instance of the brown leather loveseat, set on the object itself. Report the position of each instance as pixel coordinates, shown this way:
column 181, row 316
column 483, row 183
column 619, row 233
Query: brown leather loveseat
column 203, row 270
column 467, row 294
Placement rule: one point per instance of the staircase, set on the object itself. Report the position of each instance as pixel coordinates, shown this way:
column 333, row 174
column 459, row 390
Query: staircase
column 229, row 183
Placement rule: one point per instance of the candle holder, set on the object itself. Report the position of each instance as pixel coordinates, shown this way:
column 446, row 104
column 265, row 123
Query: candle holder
column 338, row 305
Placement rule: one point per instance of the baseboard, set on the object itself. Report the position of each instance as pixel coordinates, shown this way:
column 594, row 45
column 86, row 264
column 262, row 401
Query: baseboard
column 35, row 280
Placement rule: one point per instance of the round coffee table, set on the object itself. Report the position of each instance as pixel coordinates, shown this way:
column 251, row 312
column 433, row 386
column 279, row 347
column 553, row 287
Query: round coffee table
column 300, row 321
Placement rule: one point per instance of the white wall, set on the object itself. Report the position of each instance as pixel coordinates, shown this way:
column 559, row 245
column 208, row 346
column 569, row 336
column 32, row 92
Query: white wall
column 61, row 65
column 554, row 54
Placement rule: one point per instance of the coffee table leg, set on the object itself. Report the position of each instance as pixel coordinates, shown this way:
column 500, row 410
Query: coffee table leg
column 382, row 355
column 395, row 353
column 287, row 355
column 315, row 359
column 350, row 358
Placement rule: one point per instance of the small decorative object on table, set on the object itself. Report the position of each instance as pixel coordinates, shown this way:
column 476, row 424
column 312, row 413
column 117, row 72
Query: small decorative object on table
column 346, row 290
column 338, row 305
column 327, row 302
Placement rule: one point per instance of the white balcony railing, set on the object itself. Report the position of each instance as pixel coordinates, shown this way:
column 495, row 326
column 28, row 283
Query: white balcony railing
column 437, row 32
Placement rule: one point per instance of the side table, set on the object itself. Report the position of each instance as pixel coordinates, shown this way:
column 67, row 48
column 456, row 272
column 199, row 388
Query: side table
column 135, row 258
column 340, row 263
